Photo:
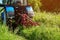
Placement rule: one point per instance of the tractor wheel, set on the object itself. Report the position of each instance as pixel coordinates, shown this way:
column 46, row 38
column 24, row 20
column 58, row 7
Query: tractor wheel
column 9, row 23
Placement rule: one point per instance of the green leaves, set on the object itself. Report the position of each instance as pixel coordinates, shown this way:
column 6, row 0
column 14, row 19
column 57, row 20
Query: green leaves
column 36, row 4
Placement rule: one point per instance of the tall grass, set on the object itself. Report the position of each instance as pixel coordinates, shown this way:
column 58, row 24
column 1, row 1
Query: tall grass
column 49, row 28
column 6, row 35
column 41, row 33
column 49, row 19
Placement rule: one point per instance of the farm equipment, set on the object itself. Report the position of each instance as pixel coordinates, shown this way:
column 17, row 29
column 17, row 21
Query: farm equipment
column 11, row 11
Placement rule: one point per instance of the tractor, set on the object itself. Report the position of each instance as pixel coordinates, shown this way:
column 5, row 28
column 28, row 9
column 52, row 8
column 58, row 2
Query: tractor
column 10, row 10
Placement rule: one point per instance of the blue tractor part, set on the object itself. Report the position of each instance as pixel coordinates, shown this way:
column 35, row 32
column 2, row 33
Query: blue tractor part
column 3, row 17
column 9, row 11
column 30, row 11
column 1, row 1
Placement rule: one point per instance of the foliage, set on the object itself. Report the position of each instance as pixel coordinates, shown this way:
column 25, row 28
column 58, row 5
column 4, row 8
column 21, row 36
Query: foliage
column 6, row 35
column 36, row 4
column 50, row 5
column 48, row 29
column 48, row 19
column 41, row 33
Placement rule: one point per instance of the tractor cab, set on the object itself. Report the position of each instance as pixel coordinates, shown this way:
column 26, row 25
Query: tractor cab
column 9, row 10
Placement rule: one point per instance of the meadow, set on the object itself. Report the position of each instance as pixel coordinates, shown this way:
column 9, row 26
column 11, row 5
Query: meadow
column 49, row 28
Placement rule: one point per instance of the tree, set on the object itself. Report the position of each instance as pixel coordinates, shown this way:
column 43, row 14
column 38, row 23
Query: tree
column 35, row 4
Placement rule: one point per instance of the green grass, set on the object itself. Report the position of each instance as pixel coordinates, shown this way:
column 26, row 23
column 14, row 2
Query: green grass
column 41, row 33
column 48, row 19
column 49, row 29
column 6, row 35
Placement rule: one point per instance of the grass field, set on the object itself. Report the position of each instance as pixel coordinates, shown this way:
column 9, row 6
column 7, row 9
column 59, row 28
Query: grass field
column 49, row 29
